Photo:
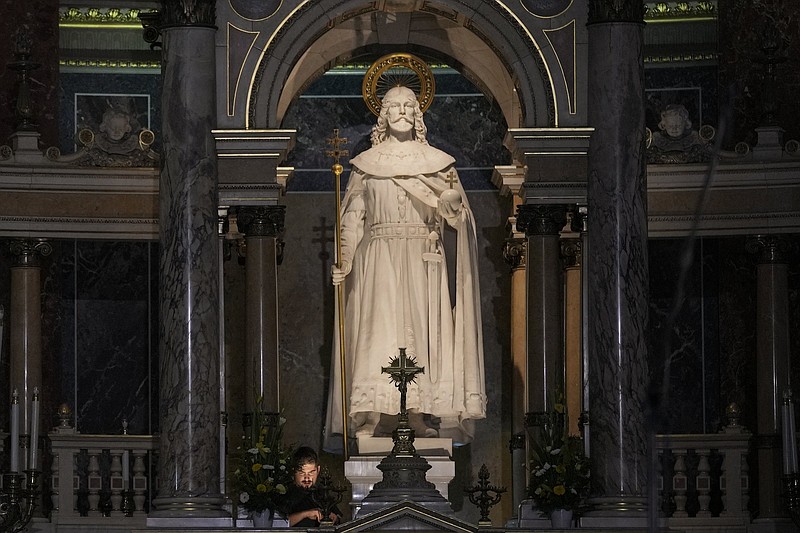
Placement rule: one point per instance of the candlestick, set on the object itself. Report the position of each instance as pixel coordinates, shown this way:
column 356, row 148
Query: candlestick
column 34, row 429
column 15, row 431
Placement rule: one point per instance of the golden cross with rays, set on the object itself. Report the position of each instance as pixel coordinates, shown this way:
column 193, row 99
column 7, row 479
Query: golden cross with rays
column 337, row 142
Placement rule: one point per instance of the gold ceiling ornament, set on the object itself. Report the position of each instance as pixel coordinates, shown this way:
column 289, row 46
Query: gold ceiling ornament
column 398, row 70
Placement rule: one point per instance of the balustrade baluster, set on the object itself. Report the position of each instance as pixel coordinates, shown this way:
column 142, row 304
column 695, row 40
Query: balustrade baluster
column 95, row 481
column 679, row 483
column 703, row 483
column 54, row 483
column 139, row 482
column 116, row 481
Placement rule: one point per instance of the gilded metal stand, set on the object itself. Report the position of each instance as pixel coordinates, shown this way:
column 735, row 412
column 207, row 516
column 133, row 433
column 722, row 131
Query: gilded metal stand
column 18, row 500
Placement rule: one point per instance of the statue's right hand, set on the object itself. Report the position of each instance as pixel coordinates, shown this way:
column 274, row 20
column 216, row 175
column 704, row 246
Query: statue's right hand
column 338, row 273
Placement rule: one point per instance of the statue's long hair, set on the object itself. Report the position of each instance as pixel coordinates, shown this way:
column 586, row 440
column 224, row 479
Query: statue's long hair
column 379, row 130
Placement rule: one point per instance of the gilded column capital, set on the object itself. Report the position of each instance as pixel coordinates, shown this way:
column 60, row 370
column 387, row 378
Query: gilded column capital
column 188, row 13
column 541, row 219
column 771, row 249
column 604, row 11
column 262, row 221
column 28, row 253
column 514, row 252
column 572, row 252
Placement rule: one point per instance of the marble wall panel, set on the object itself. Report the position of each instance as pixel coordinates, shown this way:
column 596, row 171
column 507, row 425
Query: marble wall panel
column 694, row 87
column 109, row 84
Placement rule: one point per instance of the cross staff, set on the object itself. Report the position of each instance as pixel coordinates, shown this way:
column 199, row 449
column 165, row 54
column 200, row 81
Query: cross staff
column 402, row 371
column 337, row 169
column 451, row 178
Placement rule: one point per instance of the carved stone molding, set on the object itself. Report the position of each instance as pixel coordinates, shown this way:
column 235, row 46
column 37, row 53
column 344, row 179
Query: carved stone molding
column 28, row 253
column 601, row 11
column 514, row 252
column 572, row 252
column 771, row 249
column 262, row 221
column 541, row 219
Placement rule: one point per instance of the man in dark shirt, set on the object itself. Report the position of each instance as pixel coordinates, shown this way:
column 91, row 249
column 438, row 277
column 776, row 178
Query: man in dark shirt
column 301, row 509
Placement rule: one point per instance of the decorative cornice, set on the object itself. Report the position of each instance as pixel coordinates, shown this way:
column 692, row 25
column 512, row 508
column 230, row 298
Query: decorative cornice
column 541, row 219
column 680, row 11
column 262, row 221
column 83, row 17
column 605, row 11
column 188, row 13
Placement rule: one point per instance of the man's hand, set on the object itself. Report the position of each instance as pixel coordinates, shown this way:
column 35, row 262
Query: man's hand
column 339, row 273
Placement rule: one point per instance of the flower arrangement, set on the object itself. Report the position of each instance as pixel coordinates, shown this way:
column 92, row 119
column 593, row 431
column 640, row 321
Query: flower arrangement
column 264, row 469
column 559, row 469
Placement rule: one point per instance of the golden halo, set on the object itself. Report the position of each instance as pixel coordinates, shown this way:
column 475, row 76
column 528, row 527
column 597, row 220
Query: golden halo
column 398, row 70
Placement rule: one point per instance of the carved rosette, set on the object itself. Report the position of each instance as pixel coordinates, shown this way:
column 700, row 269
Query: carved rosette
column 28, row 253
column 262, row 221
column 514, row 252
column 771, row 249
column 541, row 219
column 188, row 13
column 604, row 11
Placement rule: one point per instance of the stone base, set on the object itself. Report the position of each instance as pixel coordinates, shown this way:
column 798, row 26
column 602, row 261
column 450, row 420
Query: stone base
column 180, row 523
column 425, row 446
column 362, row 472
column 772, row 525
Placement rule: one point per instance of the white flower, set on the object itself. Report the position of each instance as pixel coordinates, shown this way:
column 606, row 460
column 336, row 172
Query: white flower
column 244, row 497
column 555, row 452
column 254, row 451
column 538, row 491
column 268, row 467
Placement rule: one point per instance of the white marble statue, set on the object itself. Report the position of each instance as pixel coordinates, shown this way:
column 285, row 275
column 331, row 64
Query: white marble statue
column 400, row 195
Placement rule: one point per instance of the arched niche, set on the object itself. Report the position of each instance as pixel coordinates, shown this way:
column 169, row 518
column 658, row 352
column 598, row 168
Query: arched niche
column 478, row 38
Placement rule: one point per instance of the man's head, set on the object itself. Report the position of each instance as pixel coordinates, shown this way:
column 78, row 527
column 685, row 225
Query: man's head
column 400, row 114
column 306, row 467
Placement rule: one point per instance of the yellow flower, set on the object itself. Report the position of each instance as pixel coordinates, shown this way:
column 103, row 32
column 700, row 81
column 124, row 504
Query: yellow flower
column 263, row 488
column 558, row 408
column 256, row 467
column 559, row 490
column 561, row 469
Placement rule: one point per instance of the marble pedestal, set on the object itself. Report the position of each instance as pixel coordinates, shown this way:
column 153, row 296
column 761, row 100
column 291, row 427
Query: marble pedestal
column 362, row 470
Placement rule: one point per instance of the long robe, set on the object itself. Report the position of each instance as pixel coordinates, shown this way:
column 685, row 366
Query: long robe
column 391, row 228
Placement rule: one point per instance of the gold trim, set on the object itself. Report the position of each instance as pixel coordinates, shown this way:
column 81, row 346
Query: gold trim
column 539, row 50
column 547, row 16
column 375, row 75
column 264, row 51
column 572, row 96
column 280, row 5
column 231, row 103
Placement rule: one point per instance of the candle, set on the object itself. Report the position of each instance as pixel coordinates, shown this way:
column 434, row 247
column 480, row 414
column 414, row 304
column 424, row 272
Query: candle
column 34, row 429
column 15, row 431
column 125, row 471
column 792, row 438
column 785, row 436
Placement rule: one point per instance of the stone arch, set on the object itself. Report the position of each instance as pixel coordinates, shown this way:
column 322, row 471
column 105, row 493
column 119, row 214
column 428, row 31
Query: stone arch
column 481, row 39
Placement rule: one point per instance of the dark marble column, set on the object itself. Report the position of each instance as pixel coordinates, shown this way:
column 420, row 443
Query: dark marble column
column 618, row 276
column 772, row 367
column 189, row 461
column 26, row 331
column 542, row 224
column 262, row 226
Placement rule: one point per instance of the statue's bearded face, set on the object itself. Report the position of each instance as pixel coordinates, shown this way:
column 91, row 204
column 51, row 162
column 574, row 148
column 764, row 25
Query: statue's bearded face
column 400, row 103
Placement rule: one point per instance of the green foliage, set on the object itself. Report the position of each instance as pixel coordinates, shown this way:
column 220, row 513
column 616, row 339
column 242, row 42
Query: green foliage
column 264, row 469
column 559, row 470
